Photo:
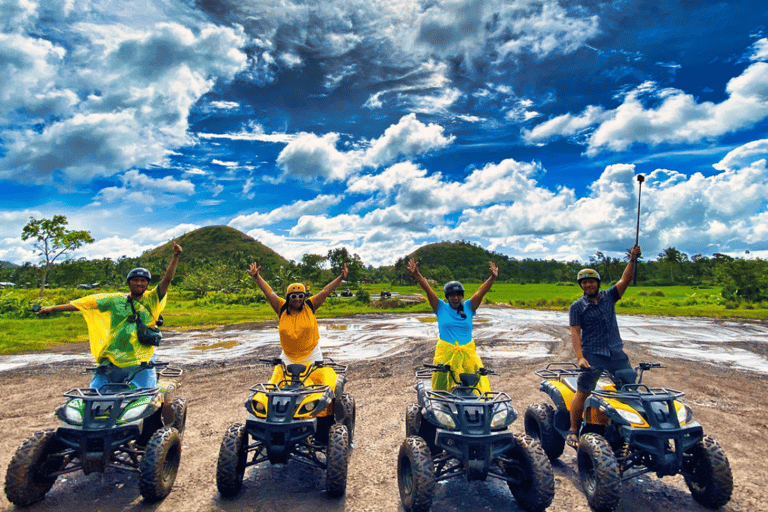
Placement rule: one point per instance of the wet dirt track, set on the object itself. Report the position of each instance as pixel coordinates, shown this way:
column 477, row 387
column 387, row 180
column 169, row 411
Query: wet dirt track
column 730, row 403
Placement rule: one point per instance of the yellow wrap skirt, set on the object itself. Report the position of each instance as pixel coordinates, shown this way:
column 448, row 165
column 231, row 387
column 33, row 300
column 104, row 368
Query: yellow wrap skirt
column 462, row 359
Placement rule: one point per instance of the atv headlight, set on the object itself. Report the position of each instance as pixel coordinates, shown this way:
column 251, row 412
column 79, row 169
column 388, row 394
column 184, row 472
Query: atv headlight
column 444, row 419
column 499, row 419
column 308, row 407
column 71, row 412
column 631, row 417
column 137, row 410
column 259, row 407
column 684, row 414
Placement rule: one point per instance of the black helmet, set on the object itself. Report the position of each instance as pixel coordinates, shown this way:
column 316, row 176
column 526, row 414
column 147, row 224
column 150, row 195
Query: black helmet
column 139, row 272
column 452, row 287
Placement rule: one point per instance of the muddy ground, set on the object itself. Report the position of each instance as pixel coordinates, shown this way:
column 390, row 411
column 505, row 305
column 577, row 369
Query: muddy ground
column 731, row 405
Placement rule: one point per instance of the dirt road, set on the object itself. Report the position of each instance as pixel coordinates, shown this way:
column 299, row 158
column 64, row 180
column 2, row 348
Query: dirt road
column 731, row 405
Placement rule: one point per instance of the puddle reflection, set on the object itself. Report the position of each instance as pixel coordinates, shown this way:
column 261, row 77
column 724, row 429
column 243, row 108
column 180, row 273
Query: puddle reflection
column 499, row 333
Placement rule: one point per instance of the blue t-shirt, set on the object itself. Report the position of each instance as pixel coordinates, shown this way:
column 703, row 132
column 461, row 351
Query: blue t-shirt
column 599, row 328
column 451, row 326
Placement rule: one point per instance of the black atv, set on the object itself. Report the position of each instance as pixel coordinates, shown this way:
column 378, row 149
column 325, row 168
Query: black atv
column 465, row 432
column 115, row 426
column 628, row 432
column 292, row 420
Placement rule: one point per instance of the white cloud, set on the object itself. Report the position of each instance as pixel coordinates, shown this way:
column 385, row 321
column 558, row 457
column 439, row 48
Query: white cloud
column 119, row 100
column 677, row 117
column 309, row 156
column 760, row 50
column 409, row 137
column 253, row 133
column 320, row 204
column 144, row 190
column 744, row 156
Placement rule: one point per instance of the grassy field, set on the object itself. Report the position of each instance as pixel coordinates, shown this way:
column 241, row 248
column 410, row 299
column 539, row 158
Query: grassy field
column 184, row 312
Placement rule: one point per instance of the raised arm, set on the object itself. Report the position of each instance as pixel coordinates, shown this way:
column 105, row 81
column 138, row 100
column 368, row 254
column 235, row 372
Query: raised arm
column 272, row 298
column 317, row 300
column 629, row 271
column 477, row 298
column 162, row 288
column 413, row 267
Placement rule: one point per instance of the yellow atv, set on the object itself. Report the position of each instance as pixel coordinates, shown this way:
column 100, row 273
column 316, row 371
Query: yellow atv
column 628, row 432
column 292, row 420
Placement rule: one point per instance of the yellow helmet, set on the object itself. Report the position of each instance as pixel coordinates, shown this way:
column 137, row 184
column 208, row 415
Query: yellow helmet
column 296, row 288
column 588, row 273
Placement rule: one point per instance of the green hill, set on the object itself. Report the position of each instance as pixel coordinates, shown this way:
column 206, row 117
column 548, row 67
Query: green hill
column 213, row 245
column 445, row 261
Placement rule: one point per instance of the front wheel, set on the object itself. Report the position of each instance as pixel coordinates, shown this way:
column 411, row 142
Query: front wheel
column 26, row 481
column 179, row 415
column 533, row 481
column 540, row 425
column 233, row 455
column 160, row 464
column 415, row 475
column 348, row 402
column 599, row 473
column 337, row 458
column 708, row 474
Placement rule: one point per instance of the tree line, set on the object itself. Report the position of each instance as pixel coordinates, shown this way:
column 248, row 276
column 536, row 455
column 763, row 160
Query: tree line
column 742, row 279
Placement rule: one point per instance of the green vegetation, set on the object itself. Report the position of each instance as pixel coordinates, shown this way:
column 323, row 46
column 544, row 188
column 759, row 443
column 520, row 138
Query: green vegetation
column 212, row 288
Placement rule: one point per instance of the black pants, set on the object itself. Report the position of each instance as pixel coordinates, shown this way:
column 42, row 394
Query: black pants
column 617, row 364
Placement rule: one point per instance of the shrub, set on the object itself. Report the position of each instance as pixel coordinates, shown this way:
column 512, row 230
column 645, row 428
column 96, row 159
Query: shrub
column 642, row 293
column 657, row 293
column 363, row 296
column 731, row 305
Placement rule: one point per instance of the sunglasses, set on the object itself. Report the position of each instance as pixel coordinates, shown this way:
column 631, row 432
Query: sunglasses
column 299, row 296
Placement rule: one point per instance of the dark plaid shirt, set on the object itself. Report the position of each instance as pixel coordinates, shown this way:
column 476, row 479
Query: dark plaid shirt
column 599, row 328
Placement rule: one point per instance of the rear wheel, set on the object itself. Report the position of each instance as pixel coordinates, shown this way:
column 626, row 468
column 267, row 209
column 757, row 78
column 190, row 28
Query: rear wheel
column 534, row 480
column 539, row 424
column 599, row 473
column 160, row 464
column 708, row 474
column 233, row 455
column 337, row 458
column 415, row 475
column 26, row 481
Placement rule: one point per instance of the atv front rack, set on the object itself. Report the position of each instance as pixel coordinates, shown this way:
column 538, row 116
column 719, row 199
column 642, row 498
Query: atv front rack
column 640, row 392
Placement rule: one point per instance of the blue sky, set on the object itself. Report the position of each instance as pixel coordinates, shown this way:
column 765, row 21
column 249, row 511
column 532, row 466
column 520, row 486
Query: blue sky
column 382, row 126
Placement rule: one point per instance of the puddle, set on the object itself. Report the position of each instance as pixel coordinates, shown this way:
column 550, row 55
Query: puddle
column 499, row 333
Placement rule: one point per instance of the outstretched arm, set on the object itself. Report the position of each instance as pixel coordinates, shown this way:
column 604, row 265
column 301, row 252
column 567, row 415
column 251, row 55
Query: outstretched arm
column 162, row 288
column 477, row 298
column 317, row 300
column 629, row 271
column 272, row 298
column 53, row 309
column 413, row 267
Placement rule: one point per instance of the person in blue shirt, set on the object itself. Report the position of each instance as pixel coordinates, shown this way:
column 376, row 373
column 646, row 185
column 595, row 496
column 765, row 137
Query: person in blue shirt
column 455, row 346
column 596, row 339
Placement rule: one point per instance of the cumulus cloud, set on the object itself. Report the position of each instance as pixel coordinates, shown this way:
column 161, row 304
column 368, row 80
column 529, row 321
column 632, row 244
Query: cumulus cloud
column 309, row 156
column 320, row 204
column 744, row 156
column 119, row 98
column 145, row 190
column 676, row 117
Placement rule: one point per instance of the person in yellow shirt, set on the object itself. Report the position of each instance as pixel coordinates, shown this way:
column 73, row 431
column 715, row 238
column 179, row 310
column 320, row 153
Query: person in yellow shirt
column 297, row 324
column 111, row 325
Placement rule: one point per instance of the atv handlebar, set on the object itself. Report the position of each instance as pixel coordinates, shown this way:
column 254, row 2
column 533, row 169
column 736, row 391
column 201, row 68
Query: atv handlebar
column 481, row 372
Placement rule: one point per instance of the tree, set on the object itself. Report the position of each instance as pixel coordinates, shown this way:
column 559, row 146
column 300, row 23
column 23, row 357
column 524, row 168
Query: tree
column 52, row 240
column 338, row 257
column 672, row 258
